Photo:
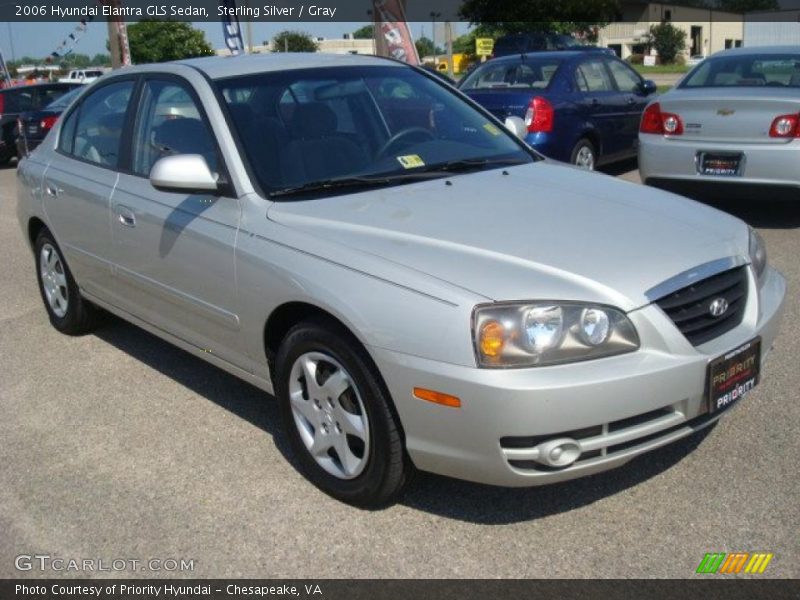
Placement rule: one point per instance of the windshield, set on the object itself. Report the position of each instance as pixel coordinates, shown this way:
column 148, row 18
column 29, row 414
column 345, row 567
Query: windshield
column 531, row 73
column 746, row 70
column 310, row 126
column 64, row 101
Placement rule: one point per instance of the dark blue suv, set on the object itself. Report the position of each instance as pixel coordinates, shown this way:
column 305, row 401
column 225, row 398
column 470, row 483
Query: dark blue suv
column 578, row 107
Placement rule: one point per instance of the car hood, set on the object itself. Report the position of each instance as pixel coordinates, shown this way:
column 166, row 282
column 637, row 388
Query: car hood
column 540, row 231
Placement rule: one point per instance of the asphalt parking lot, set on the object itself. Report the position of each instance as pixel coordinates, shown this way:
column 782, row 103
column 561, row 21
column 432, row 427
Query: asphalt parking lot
column 118, row 446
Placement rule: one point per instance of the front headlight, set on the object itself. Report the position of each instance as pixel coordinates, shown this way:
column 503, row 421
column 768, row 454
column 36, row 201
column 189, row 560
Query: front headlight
column 546, row 333
column 758, row 253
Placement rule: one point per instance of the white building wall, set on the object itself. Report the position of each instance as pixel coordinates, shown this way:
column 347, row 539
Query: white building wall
column 758, row 32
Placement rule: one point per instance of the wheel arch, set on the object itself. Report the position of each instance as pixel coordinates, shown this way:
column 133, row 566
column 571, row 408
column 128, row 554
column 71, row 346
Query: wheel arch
column 35, row 227
column 289, row 314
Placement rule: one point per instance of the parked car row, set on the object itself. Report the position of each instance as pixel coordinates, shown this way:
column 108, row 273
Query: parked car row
column 417, row 286
column 732, row 123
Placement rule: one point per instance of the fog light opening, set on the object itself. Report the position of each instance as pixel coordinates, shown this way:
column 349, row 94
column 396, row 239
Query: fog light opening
column 561, row 452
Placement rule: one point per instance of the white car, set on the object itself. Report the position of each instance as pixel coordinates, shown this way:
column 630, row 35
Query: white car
column 82, row 76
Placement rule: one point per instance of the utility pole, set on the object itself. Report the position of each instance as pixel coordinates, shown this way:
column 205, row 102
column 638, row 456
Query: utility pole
column 11, row 41
column 434, row 16
column 448, row 35
column 248, row 28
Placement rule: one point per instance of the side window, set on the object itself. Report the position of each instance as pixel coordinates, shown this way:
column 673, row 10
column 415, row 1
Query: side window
column 591, row 76
column 626, row 78
column 170, row 122
column 100, row 120
column 18, row 101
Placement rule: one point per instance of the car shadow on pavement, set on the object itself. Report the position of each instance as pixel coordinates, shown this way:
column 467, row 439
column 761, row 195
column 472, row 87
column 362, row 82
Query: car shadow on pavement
column 227, row 391
column 443, row 496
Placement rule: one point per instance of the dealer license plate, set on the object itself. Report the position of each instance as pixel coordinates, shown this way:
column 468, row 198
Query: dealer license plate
column 714, row 163
column 732, row 375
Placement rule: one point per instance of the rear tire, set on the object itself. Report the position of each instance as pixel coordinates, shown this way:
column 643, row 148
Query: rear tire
column 69, row 312
column 584, row 155
column 341, row 426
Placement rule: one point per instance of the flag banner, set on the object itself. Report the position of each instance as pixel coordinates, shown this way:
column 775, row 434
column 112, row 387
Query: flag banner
column 230, row 27
column 68, row 43
column 392, row 34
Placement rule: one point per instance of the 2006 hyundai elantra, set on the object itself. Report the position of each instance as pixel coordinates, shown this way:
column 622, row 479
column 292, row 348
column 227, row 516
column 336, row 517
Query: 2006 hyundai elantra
column 416, row 286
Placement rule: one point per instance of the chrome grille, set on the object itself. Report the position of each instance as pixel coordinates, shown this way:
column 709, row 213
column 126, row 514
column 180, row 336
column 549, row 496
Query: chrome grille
column 689, row 307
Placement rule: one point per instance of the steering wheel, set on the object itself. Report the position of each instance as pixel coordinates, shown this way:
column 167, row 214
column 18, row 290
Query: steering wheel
column 420, row 132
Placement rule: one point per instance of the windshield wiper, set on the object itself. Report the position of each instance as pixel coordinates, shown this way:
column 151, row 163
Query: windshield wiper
column 468, row 164
column 453, row 166
column 350, row 182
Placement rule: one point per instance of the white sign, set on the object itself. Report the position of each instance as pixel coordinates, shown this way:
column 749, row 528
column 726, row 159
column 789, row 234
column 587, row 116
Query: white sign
column 649, row 61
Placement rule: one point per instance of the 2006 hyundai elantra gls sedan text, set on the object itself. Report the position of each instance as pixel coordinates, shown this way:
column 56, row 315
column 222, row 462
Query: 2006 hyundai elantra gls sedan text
column 417, row 287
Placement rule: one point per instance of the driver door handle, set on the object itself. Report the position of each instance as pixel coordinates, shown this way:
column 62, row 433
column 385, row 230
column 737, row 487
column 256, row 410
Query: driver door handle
column 126, row 216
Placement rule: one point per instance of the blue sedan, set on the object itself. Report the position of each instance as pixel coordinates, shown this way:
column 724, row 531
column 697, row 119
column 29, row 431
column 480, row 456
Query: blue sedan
column 578, row 107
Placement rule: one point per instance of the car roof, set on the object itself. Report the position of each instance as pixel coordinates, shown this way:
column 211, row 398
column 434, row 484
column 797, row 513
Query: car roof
column 560, row 54
column 217, row 67
column 27, row 86
column 744, row 50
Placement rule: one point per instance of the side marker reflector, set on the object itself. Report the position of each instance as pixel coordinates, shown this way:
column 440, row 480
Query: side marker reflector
column 437, row 397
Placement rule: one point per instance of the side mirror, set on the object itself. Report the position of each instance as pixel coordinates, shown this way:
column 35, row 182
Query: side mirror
column 516, row 126
column 183, row 173
column 649, row 87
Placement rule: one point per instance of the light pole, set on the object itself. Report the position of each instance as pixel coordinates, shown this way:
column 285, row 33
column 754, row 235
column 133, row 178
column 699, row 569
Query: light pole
column 434, row 16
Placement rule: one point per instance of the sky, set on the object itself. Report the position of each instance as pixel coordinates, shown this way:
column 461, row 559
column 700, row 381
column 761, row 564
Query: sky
column 40, row 39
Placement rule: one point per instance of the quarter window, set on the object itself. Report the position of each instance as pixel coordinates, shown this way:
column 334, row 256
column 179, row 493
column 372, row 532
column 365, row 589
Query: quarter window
column 169, row 123
column 100, row 121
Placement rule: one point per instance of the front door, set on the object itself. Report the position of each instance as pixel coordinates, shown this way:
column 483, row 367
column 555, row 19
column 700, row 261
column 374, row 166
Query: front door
column 174, row 251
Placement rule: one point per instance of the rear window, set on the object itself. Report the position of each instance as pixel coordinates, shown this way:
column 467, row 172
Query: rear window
column 516, row 75
column 748, row 70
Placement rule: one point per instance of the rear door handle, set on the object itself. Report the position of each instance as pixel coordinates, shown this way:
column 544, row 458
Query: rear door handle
column 630, row 100
column 126, row 216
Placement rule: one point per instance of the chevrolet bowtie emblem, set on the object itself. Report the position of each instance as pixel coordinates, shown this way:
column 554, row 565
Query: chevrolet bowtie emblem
column 725, row 111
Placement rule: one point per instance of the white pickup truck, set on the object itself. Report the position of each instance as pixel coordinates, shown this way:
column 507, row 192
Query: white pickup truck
column 82, row 76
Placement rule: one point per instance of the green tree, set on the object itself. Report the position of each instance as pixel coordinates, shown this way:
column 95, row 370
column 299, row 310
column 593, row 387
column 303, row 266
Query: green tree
column 293, row 41
column 367, row 32
column 743, row 6
column 158, row 41
column 101, row 60
column 495, row 18
column 668, row 40
column 425, row 47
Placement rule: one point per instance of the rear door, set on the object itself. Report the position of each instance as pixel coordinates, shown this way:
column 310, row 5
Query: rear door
column 599, row 104
column 80, row 181
column 174, row 251
column 632, row 102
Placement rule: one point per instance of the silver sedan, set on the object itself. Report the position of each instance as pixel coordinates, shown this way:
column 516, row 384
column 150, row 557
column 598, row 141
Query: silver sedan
column 416, row 286
column 731, row 126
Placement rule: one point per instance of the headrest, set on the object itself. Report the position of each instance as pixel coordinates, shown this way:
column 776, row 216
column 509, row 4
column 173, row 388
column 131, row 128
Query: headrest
column 313, row 120
column 184, row 136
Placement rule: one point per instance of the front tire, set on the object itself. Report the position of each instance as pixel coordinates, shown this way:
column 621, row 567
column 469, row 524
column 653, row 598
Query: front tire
column 584, row 155
column 69, row 312
column 338, row 416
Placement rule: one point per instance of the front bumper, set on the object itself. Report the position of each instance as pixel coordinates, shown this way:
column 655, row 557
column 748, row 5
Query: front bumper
column 617, row 408
column 671, row 164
